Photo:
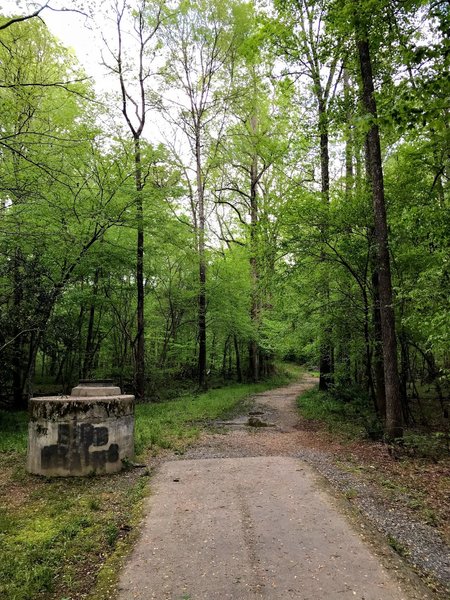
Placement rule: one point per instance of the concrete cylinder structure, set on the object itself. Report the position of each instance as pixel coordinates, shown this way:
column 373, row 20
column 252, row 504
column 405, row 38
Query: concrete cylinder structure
column 89, row 432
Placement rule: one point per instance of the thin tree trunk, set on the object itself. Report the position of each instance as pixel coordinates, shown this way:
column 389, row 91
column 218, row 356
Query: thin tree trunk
column 368, row 365
column 18, row 343
column 224, row 357
column 325, row 360
column 238, row 359
column 404, row 372
column 30, row 371
column 88, row 352
column 202, row 380
column 349, row 140
column 140, row 340
column 254, row 358
column 380, row 391
column 394, row 421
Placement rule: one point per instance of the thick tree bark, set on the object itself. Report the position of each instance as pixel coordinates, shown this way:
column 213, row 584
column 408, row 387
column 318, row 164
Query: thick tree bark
column 394, row 421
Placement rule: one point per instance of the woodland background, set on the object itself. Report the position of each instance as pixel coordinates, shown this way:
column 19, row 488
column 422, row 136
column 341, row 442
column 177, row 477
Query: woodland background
column 247, row 232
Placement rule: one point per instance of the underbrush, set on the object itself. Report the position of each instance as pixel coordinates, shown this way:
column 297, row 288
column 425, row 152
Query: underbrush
column 348, row 415
column 64, row 538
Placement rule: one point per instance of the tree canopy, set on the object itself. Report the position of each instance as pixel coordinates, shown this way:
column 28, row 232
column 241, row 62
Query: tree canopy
column 294, row 203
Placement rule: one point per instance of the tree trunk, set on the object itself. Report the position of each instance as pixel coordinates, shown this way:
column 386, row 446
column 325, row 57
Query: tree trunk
column 226, row 351
column 30, row 371
column 404, row 372
column 254, row 358
column 238, row 359
column 326, row 352
column 380, row 391
column 139, row 377
column 19, row 402
column 394, row 422
column 202, row 380
column 368, row 365
column 349, row 141
column 88, row 352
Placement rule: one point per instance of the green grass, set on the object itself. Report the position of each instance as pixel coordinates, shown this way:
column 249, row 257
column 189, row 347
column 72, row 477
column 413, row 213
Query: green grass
column 176, row 423
column 54, row 540
column 397, row 546
column 63, row 538
column 13, row 429
column 349, row 420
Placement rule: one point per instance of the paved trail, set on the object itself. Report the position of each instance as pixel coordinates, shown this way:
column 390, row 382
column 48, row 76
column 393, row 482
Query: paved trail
column 250, row 527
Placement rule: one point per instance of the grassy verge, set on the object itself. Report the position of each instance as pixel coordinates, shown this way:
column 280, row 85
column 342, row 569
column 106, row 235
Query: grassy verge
column 62, row 539
column 347, row 419
column 176, row 423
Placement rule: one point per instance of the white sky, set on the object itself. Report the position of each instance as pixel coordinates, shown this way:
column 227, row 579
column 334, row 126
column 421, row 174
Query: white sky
column 84, row 36
column 74, row 31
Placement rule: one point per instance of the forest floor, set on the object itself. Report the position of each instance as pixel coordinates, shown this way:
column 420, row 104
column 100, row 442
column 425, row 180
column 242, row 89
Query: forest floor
column 284, row 509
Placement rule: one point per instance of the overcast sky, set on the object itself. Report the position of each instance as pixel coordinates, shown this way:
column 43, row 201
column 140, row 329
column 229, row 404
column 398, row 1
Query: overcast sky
column 73, row 30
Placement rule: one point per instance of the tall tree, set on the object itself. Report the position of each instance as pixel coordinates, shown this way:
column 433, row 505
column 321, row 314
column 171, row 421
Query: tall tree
column 394, row 419
column 256, row 153
column 146, row 20
column 301, row 39
column 200, row 40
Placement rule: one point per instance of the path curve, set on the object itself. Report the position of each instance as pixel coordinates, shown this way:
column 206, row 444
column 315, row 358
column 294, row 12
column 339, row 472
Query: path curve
column 239, row 517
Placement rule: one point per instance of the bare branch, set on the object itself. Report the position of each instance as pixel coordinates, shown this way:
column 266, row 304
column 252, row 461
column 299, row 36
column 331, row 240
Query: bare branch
column 37, row 13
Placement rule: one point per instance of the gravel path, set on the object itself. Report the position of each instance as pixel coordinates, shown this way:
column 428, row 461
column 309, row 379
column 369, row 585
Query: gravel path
column 250, row 528
column 245, row 515
column 420, row 544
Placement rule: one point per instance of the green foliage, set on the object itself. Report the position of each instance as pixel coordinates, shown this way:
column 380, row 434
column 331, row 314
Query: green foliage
column 397, row 546
column 302, row 272
column 14, row 429
column 344, row 412
column 432, row 446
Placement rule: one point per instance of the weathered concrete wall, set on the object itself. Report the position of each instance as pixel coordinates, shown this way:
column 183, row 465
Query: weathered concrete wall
column 80, row 435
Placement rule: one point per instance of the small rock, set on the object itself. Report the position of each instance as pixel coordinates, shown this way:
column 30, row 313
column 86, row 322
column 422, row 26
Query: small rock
column 256, row 422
